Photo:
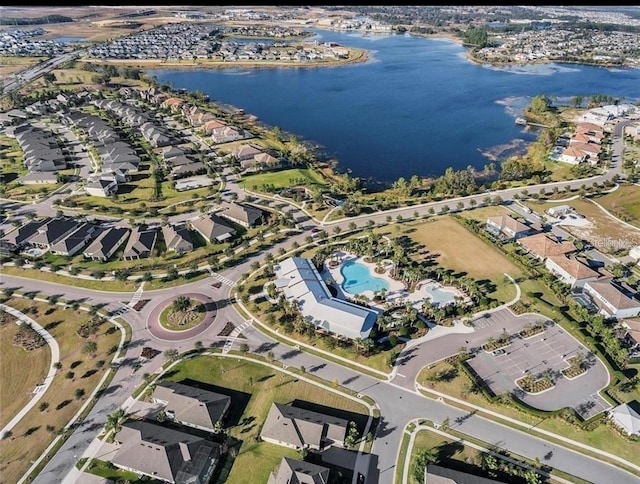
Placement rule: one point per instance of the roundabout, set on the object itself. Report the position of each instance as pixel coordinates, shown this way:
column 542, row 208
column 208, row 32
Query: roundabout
column 167, row 332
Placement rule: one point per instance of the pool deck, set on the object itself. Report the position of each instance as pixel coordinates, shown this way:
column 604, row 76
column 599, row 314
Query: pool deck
column 397, row 291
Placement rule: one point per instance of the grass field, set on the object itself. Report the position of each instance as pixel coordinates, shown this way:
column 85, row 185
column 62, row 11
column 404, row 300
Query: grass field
column 254, row 387
column 459, row 249
column 32, row 366
column 624, row 203
column 34, row 432
column 10, row 64
column 285, row 178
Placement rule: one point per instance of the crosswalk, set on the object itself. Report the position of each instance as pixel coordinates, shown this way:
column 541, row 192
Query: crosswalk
column 234, row 335
column 221, row 278
column 136, row 296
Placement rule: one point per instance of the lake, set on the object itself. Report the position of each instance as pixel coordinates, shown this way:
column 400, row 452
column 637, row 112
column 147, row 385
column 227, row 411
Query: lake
column 417, row 106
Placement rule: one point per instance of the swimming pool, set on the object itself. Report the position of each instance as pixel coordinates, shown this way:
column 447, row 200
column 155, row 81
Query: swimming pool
column 358, row 279
column 440, row 296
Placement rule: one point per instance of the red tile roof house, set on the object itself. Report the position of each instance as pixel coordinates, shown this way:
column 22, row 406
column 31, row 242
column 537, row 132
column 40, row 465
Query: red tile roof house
column 543, row 245
column 570, row 270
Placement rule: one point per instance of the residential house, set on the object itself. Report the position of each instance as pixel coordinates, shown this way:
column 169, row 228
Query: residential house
column 212, row 228
column 106, row 243
column 573, row 271
column 613, row 299
column 177, row 238
column 245, row 152
column 17, row 239
column 190, row 405
column 572, row 155
column 544, row 245
column 140, row 243
column 103, row 187
column 634, row 253
column 632, row 335
column 188, row 169
column 301, row 284
column 626, row 418
column 74, row 242
column 211, row 125
column 292, row 471
column 298, row 428
column 507, row 226
column 52, row 231
column 260, row 162
column 559, row 210
column 245, row 215
column 165, row 454
column 227, row 134
column 38, row 178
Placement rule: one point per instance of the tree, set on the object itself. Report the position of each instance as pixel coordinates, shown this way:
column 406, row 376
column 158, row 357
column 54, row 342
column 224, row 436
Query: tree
column 352, row 435
column 444, row 426
column 43, row 406
column 244, row 348
column 79, row 393
column 90, row 348
column 217, row 427
column 171, row 355
column 115, row 420
column 424, row 457
column 181, row 304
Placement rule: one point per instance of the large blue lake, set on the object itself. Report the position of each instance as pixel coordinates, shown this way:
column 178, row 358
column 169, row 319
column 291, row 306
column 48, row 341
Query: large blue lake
column 417, row 106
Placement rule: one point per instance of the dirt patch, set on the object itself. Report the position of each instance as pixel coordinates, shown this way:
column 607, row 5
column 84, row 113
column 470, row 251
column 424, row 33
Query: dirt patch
column 28, row 338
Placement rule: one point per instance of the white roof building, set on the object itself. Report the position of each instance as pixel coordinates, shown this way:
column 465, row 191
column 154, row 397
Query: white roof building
column 626, row 418
column 301, row 282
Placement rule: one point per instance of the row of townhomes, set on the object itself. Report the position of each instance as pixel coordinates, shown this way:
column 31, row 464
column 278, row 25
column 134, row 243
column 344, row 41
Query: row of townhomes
column 99, row 241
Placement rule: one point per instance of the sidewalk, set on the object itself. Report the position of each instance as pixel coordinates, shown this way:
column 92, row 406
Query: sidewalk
column 55, row 357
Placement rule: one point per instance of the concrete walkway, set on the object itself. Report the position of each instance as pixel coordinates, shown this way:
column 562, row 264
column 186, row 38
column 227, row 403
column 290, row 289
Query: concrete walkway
column 55, row 357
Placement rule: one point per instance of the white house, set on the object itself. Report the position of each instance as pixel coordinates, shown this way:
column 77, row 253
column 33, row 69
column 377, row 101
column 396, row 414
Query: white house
column 570, row 270
column 634, row 253
column 612, row 299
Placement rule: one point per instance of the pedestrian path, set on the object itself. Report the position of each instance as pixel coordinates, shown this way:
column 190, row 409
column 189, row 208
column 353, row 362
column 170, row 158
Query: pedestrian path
column 234, row 335
column 55, row 357
column 221, row 278
column 136, row 296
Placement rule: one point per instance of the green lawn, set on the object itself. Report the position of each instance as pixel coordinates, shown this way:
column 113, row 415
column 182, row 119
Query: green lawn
column 285, row 178
column 253, row 388
column 31, row 436
column 106, row 470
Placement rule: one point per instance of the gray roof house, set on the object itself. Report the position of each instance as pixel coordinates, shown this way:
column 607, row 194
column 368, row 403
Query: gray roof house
column 165, row 454
column 292, row 471
column 75, row 241
column 191, row 405
column 212, row 228
column 299, row 428
column 245, row 215
column 177, row 238
column 52, row 231
column 107, row 242
column 140, row 244
column 17, row 239
column 245, row 151
column 435, row 474
column 298, row 278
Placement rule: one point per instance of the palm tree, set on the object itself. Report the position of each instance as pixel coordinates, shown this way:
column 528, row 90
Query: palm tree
column 115, row 420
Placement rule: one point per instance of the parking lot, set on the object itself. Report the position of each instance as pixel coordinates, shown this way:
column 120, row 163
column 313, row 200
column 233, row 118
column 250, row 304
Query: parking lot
column 546, row 351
